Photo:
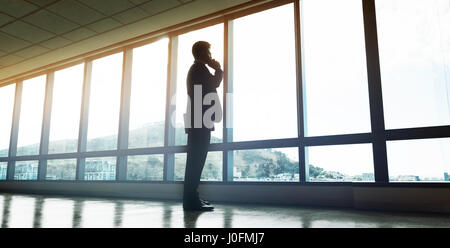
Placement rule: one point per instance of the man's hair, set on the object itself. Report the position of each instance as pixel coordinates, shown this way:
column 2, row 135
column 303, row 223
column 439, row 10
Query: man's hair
column 199, row 47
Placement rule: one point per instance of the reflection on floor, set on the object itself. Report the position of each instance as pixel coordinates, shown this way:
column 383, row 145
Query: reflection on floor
column 18, row 210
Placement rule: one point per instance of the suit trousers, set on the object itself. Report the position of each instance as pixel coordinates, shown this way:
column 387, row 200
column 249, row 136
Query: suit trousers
column 198, row 143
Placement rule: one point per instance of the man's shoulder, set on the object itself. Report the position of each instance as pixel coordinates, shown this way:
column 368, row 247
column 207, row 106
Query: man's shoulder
column 197, row 72
column 198, row 67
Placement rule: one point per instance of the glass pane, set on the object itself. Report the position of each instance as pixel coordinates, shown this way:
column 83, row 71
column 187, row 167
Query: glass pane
column 414, row 45
column 104, row 105
column 335, row 75
column 6, row 112
column 347, row 163
column 145, row 167
column 148, row 95
column 421, row 160
column 212, row 171
column 31, row 112
column 100, row 169
column 264, row 82
column 3, row 170
column 272, row 164
column 26, row 170
column 66, row 105
column 213, row 35
column 61, row 169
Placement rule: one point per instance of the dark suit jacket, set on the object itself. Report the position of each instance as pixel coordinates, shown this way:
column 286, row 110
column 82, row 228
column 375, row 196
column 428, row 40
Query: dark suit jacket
column 199, row 75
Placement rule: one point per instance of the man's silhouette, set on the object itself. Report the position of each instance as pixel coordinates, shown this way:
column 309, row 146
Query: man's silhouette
column 199, row 135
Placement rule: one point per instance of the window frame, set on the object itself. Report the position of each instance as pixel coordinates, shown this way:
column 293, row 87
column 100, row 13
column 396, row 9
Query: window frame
column 377, row 137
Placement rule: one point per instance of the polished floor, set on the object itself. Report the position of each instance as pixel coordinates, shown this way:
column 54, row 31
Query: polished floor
column 17, row 210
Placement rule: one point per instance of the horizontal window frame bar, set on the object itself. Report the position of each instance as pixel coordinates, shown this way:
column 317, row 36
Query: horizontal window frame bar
column 435, row 132
column 281, row 183
column 343, row 139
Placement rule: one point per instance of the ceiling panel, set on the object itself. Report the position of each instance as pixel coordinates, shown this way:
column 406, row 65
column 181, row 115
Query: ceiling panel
column 75, row 12
column 10, row 59
column 17, row 8
column 157, row 6
column 131, row 15
column 27, row 32
column 30, row 28
column 5, row 19
column 104, row 25
column 108, row 7
column 42, row 2
column 55, row 42
column 51, row 22
column 139, row 1
column 10, row 44
column 79, row 34
column 31, row 51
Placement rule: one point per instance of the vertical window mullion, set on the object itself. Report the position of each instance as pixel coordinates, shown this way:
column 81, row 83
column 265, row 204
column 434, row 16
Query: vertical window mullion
column 84, row 115
column 14, row 131
column 228, row 101
column 375, row 93
column 303, row 169
column 169, row 129
column 43, row 150
column 124, row 118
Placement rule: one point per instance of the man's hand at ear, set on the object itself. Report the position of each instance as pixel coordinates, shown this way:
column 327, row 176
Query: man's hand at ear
column 214, row 64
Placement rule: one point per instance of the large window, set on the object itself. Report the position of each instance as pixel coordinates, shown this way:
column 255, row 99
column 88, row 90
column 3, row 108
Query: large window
column 26, row 170
column 213, row 35
column 274, row 68
column 104, row 103
column 346, row 163
column 212, row 171
column 61, row 169
column 148, row 95
column 31, row 113
column 264, row 83
column 335, row 77
column 100, row 169
column 414, row 44
column 421, row 160
column 66, row 105
column 145, row 167
column 280, row 164
column 3, row 170
column 6, row 111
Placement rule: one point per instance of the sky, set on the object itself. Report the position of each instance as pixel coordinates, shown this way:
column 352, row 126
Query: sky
column 31, row 113
column 66, row 105
column 6, row 111
column 414, row 50
column 104, row 105
column 148, row 85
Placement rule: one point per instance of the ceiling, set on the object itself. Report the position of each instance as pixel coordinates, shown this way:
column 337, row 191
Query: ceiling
column 31, row 28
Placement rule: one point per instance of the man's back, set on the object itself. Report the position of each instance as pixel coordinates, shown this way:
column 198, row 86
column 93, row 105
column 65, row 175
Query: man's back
column 199, row 75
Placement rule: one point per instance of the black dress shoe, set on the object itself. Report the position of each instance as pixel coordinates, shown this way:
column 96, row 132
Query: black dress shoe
column 197, row 207
column 205, row 202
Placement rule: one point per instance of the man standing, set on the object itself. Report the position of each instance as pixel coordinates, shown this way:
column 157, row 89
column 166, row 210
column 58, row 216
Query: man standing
column 200, row 83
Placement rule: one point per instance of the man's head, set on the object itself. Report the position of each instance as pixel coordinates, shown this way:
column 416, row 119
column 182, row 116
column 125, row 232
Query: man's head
column 201, row 52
